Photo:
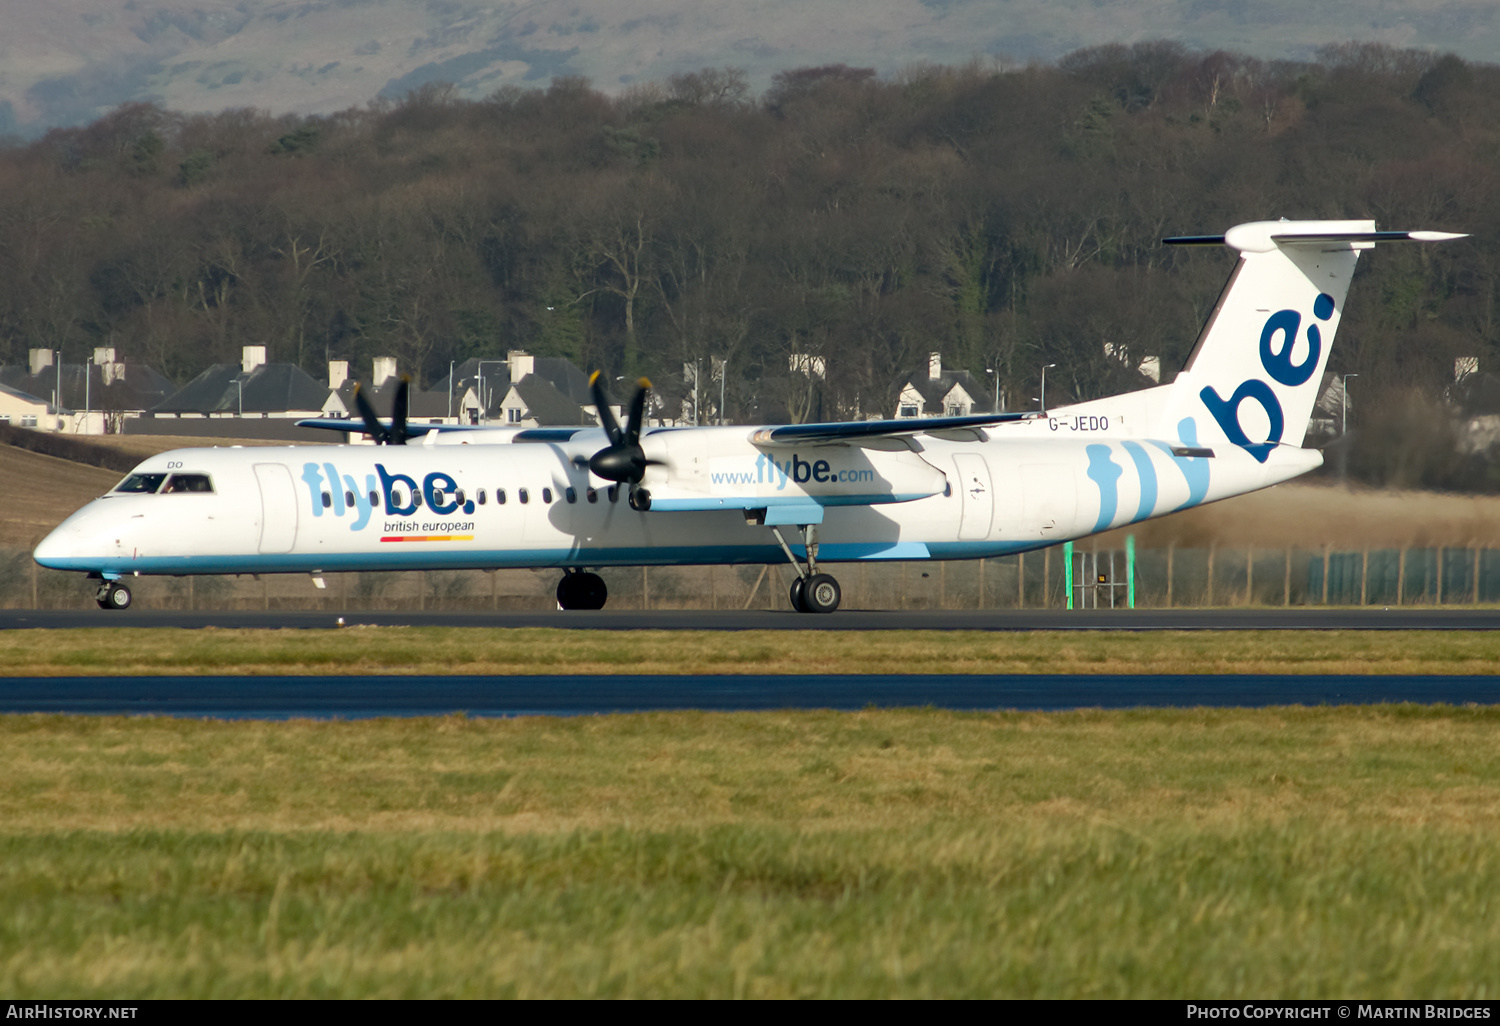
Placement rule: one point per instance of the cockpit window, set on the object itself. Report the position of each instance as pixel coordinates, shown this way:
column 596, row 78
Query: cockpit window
column 188, row 483
column 141, row 483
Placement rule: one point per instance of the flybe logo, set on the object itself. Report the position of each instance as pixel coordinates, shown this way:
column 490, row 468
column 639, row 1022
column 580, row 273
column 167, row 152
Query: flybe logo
column 765, row 470
column 1278, row 340
column 337, row 494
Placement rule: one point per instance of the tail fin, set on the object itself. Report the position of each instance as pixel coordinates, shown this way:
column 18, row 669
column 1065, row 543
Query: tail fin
column 1255, row 373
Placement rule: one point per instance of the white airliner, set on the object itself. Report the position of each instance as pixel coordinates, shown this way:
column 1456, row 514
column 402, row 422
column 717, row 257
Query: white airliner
column 582, row 498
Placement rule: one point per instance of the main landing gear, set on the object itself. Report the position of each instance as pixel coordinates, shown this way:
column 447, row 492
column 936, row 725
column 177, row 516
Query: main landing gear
column 112, row 595
column 812, row 591
column 581, row 590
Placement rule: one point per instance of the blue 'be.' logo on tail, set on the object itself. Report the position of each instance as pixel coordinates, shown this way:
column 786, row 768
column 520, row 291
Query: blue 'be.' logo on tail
column 1279, row 366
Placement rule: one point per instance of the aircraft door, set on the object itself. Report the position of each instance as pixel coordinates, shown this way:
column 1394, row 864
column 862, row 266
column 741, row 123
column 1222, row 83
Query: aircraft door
column 978, row 498
column 278, row 508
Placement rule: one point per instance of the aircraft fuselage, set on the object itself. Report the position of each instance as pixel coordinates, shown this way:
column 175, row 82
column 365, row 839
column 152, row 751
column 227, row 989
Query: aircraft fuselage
column 486, row 506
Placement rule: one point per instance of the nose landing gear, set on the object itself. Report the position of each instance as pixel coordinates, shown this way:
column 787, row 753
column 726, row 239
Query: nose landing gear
column 112, row 595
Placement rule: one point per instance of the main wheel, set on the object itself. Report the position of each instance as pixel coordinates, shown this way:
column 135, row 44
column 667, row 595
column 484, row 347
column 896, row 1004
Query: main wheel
column 798, row 592
column 591, row 590
column 114, row 596
column 581, row 591
column 820, row 594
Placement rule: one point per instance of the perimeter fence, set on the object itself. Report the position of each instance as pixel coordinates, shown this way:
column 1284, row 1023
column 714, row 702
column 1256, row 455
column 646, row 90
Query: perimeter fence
column 1172, row 576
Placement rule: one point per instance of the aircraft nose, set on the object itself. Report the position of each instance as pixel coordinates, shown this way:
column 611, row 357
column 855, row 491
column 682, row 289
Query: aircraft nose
column 59, row 548
column 75, row 544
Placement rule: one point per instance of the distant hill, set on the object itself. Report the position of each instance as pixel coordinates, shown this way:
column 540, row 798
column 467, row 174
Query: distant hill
column 64, row 62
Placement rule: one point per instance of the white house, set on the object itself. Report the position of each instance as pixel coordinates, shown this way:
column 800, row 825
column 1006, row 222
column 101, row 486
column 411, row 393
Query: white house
column 940, row 393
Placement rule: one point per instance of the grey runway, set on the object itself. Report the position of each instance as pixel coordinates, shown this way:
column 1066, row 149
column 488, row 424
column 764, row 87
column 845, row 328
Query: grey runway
column 279, row 698
column 1363, row 618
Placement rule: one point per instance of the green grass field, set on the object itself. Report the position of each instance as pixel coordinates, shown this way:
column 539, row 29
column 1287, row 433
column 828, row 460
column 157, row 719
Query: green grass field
column 467, row 650
column 1296, row 852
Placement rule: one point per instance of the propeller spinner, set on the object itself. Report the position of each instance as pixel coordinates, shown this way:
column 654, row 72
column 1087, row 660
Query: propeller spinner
column 396, row 433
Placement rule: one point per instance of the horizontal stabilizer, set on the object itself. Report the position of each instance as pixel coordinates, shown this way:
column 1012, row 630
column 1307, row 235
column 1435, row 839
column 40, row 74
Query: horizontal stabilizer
column 1263, row 236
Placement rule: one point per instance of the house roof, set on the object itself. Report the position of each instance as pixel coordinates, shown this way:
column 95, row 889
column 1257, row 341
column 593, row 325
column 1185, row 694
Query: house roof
column 26, row 397
column 269, row 388
column 566, row 378
column 422, row 404
column 561, row 373
column 546, row 405
column 133, row 387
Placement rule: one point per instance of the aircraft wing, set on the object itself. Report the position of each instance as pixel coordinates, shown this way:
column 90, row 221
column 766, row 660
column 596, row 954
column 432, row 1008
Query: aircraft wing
column 351, row 425
column 848, row 431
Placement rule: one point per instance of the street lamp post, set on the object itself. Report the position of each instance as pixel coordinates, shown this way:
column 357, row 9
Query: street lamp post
column 1344, row 403
column 241, row 383
column 1045, row 366
column 994, row 372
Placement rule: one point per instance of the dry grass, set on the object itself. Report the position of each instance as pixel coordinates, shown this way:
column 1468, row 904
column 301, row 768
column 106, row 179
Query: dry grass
column 1315, row 853
column 40, row 491
column 882, row 770
column 1309, row 516
column 443, row 650
column 149, row 445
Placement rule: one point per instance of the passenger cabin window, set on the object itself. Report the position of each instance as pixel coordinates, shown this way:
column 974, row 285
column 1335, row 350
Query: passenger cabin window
column 499, row 496
column 349, row 499
column 571, row 494
column 546, row 494
column 593, row 496
column 480, row 496
column 521, row 494
column 374, row 500
column 327, row 500
column 142, row 484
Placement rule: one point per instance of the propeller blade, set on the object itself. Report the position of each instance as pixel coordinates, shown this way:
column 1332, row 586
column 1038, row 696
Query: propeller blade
column 376, row 429
column 637, row 413
column 399, row 410
column 601, row 406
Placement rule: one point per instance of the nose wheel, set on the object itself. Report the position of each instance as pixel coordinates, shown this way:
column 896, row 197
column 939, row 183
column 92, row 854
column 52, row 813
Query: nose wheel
column 112, row 595
column 581, row 591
